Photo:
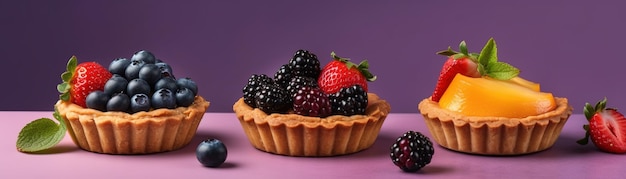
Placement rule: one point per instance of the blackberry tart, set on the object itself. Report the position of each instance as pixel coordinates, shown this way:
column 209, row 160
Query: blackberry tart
column 315, row 113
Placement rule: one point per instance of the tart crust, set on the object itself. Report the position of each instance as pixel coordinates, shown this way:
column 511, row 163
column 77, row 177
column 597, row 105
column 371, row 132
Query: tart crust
column 495, row 135
column 155, row 131
column 297, row 135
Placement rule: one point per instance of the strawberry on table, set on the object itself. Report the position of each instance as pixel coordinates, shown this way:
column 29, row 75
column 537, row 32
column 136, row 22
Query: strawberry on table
column 606, row 128
column 472, row 65
column 341, row 73
column 81, row 79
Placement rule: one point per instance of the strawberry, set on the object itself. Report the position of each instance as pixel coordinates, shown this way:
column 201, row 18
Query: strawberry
column 341, row 73
column 607, row 128
column 472, row 65
column 80, row 80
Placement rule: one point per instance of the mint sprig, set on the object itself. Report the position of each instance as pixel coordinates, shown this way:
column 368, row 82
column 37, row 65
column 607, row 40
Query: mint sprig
column 488, row 58
column 41, row 134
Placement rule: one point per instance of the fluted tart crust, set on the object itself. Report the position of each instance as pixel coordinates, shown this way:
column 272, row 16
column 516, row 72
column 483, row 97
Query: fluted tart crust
column 297, row 135
column 154, row 131
column 495, row 135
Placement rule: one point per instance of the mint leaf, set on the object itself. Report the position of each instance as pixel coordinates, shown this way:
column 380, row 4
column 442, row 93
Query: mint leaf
column 41, row 134
column 489, row 53
column 501, row 70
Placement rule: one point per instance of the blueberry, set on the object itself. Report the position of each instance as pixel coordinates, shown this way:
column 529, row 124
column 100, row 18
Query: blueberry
column 137, row 86
column 166, row 70
column 118, row 66
column 145, row 56
column 211, row 153
column 115, row 84
column 97, row 100
column 187, row 83
column 163, row 98
column 132, row 71
column 150, row 73
column 167, row 82
column 184, row 97
column 139, row 102
column 118, row 102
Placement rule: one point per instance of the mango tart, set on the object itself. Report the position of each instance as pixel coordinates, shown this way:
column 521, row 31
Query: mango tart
column 482, row 106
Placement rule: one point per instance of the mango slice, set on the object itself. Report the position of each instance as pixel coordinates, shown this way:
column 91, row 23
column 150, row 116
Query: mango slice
column 515, row 98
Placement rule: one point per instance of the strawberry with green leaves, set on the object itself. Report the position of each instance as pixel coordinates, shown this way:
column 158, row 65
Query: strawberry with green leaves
column 81, row 79
column 472, row 65
column 606, row 128
column 341, row 73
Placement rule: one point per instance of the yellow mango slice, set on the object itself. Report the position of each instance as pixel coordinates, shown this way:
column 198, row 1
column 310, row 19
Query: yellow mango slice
column 496, row 98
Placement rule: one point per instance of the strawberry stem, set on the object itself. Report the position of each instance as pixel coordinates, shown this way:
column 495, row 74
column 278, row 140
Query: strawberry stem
column 64, row 87
column 363, row 66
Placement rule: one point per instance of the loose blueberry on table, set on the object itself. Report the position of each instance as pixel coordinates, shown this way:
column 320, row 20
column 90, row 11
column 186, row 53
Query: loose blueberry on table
column 211, row 153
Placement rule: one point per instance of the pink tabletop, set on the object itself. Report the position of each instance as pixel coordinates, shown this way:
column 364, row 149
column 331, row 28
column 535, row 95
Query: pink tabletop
column 565, row 159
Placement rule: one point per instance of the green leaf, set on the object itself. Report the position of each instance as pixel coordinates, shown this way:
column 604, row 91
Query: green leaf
column 364, row 69
column 501, row 70
column 63, row 87
column 448, row 52
column 589, row 111
column 463, row 48
column 489, row 53
column 65, row 96
column 41, row 134
column 72, row 63
column 67, row 76
column 458, row 56
column 601, row 105
column 585, row 140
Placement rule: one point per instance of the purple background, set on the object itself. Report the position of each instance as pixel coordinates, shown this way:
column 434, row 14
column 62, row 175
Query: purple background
column 573, row 48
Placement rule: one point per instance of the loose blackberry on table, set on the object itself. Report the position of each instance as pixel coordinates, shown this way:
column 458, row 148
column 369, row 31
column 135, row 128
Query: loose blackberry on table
column 412, row 151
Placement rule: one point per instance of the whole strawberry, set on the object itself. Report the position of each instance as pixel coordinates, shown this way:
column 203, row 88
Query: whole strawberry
column 472, row 65
column 341, row 73
column 81, row 79
column 607, row 128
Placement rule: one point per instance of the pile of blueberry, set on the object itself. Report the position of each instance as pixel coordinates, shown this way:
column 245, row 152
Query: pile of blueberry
column 142, row 83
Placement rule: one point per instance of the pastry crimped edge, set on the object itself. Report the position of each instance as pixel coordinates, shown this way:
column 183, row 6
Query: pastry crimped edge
column 297, row 135
column 495, row 135
column 158, row 130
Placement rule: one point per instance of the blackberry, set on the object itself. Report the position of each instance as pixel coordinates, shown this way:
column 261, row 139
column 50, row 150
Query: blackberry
column 255, row 82
column 271, row 98
column 305, row 63
column 412, row 151
column 298, row 82
column 311, row 101
column 283, row 75
column 349, row 101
